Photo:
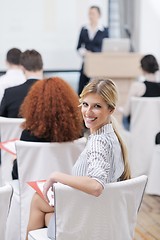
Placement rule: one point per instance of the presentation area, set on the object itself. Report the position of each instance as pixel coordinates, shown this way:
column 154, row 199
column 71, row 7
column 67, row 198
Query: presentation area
column 51, row 27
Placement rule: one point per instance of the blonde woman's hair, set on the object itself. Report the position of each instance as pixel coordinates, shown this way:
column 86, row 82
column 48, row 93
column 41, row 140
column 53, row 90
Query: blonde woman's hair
column 107, row 89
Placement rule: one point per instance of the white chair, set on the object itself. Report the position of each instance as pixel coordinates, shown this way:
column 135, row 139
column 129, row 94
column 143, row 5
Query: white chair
column 153, row 185
column 145, row 122
column 37, row 161
column 5, row 199
column 111, row 216
column 10, row 128
column 13, row 220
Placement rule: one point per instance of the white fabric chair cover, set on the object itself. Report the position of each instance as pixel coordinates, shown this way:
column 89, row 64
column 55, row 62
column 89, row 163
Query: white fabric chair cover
column 1, row 177
column 37, row 161
column 145, row 123
column 110, row 216
column 39, row 234
column 153, row 186
column 10, row 128
column 13, row 220
column 5, row 199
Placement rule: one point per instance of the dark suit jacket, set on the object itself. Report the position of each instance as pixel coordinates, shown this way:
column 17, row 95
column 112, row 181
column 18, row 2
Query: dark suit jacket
column 94, row 45
column 152, row 89
column 13, row 98
column 157, row 140
column 28, row 137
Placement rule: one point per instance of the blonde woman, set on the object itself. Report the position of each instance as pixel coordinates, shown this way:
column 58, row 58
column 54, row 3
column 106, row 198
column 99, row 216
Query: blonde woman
column 104, row 158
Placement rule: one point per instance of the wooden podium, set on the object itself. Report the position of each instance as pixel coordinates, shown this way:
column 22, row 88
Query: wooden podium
column 112, row 65
column 123, row 68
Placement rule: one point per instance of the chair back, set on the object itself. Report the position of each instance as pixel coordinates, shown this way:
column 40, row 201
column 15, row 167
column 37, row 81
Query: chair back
column 5, row 200
column 37, row 161
column 107, row 217
column 153, row 187
column 10, row 128
column 145, row 123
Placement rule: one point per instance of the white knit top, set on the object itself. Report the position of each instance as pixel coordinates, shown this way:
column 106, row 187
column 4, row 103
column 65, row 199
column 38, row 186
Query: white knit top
column 102, row 157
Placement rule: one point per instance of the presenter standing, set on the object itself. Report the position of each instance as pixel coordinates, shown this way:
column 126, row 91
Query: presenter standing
column 90, row 39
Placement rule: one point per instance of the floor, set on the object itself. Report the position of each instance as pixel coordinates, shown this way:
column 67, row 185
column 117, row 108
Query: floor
column 148, row 223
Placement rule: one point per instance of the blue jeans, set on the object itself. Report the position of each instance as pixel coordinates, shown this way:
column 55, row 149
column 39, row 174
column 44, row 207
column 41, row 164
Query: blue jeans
column 126, row 122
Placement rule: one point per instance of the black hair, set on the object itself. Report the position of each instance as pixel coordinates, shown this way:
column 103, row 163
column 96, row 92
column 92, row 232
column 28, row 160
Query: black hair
column 97, row 8
column 149, row 64
column 13, row 56
column 31, row 60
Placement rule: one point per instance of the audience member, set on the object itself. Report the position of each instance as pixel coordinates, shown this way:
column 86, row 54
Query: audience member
column 32, row 65
column 103, row 159
column 150, row 87
column 51, row 114
column 14, row 75
column 90, row 39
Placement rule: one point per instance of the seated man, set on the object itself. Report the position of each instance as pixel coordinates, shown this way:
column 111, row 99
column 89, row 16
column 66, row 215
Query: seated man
column 14, row 74
column 32, row 65
column 150, row 87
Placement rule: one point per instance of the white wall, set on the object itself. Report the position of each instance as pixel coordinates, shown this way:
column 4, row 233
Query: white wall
column 149, row 27
column 50, row 26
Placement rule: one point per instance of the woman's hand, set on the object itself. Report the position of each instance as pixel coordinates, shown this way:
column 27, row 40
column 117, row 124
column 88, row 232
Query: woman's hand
column 82, row 183
column 49, row 183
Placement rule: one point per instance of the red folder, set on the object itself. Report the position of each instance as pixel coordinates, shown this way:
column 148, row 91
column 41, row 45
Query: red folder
column 9, row 146
column 38, row 187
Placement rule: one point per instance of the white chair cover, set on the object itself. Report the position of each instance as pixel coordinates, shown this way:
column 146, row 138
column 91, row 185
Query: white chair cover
column 153, row 186
column 37, row 161
column 110, row 216
column 13, row 220
column 5, row 199
column 1, row 184
column 39, row 234
column 10, row 128
column 145, row 123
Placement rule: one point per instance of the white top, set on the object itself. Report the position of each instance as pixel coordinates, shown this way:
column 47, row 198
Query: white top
column 91, row 33
column 137, row 89
column 102, row 157
column 13, row 77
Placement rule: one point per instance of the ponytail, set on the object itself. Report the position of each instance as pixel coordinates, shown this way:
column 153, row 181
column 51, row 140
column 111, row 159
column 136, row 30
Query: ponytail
column 127, row 173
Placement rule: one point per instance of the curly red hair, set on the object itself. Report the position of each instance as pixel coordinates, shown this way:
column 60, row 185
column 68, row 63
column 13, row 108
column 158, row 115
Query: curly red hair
column 51, row 111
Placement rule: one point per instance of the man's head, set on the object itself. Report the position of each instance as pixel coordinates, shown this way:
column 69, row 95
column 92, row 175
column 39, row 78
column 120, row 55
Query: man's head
column 31, row 61
column 13, row 56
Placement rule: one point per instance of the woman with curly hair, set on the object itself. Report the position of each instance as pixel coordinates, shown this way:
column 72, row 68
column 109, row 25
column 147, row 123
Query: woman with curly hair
column 51, row 114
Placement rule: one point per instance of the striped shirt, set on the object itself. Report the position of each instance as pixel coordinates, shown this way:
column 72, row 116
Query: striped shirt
column 102, row 157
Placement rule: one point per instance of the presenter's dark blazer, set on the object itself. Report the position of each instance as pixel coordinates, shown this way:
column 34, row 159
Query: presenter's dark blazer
column 95, row 44
column 13, row 98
